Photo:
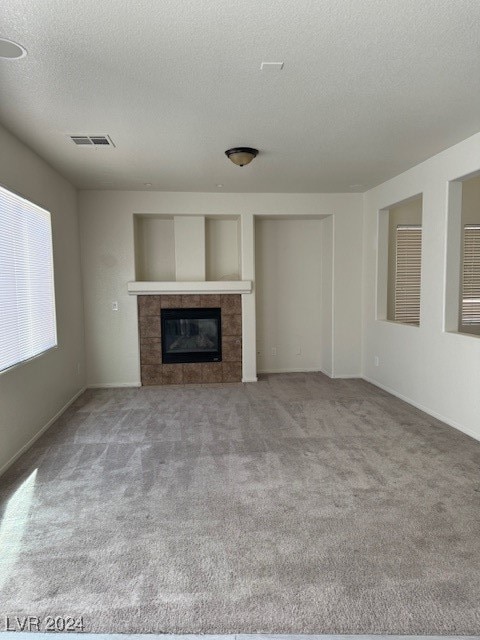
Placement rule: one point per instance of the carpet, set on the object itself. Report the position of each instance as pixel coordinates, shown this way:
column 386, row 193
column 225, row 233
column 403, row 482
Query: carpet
column 298, row 504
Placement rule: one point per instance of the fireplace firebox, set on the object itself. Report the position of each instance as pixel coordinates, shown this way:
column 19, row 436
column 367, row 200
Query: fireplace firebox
column 191, row 335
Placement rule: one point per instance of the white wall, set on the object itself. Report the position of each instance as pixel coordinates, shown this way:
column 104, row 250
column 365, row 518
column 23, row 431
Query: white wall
column 222, row 243
column 106, row 224
column 189, row 232
column 326, row 308
column 154, row 248
column 32, row 393
column 433, row 369
column 289, row 286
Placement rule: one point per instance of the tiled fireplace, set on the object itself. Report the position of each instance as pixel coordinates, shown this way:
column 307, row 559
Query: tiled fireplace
column 156, row 372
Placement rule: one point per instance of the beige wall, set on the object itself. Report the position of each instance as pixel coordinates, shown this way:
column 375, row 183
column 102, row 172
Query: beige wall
column 32, row 393
column 470, row 215
column 406, row 213
column 189, row 233
column 154, row 248
column 222, row 240
column 434, row 369
column 289, row 286
column 107, row 230
column 471, row 200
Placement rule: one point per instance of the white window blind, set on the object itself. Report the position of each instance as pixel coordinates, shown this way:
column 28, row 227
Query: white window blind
column 27, row 296
column 408, row 273
column 471, row 275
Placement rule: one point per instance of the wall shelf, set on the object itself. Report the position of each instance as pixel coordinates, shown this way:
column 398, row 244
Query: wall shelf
column 195, row 288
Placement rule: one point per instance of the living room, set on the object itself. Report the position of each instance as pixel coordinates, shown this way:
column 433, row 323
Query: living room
column 318, row 474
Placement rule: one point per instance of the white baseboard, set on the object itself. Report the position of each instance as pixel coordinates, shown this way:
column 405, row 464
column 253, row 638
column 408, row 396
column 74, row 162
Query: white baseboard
column 302, row 370
column 431, row 412
column 347, row 376
column 250, row 379
column 326, row 373
column 27, row 446
column 113, row 385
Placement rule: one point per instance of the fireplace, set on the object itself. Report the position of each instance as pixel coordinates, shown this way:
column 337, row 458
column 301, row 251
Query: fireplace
column 191, row 335
column 158, row 368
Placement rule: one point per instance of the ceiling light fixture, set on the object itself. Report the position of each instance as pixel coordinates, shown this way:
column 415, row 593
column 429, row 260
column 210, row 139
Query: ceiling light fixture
column 241, row 155
column 11, row 50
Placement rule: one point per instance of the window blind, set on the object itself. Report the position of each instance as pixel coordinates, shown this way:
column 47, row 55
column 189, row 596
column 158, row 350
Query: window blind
column 471, row 275
column 408, row 273
column 27, row 296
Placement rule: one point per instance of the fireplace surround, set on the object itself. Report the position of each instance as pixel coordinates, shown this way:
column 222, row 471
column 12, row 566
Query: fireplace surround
column 155, row 371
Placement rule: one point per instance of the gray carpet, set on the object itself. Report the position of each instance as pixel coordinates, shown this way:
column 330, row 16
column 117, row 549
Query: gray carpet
column 298, row 504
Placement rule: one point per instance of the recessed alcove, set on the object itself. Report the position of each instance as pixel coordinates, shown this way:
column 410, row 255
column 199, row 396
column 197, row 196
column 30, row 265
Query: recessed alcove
column 294, row 293
column 462, row 287
column 399, row 262
column 186, row 248
column 222, row 248
column 154, row 248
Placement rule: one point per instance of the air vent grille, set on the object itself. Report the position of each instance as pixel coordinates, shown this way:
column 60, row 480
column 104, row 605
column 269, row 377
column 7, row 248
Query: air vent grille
column 94, row 141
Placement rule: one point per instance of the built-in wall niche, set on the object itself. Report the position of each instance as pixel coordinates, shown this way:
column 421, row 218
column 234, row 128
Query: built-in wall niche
column 186, row 248
column 154, row 248
column 294, row 293
column 399, row 266
column 462, row 299
column 222, row 248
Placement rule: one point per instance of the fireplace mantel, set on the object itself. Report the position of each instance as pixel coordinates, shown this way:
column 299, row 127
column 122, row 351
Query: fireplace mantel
column 196, row 288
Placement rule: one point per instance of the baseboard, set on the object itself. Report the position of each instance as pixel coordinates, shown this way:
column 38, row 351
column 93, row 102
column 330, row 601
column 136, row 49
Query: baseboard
column 346, row 376
column 302, row 370
column 113, row 385
column 250, row 379
column 27, row 446
column 431, row 412
column 326, row 373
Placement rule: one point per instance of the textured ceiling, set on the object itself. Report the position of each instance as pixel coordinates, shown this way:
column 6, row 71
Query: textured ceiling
column 369, row 89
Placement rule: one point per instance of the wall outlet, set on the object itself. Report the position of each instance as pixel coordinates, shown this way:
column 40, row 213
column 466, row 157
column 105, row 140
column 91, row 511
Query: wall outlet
column 376, row 361
column 274, row 351
column 114, row 305
column 298, row 351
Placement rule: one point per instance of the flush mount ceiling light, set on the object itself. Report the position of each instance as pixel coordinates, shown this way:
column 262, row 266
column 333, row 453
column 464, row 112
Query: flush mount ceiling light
column 241, row 155
column 11, row 50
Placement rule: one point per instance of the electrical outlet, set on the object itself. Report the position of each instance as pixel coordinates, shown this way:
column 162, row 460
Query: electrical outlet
column 274, row 351
column 298, row 351
column 376, row 361
column 114, row 305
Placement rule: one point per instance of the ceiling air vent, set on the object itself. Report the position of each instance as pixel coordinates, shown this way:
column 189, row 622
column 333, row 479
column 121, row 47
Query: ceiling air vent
column 94, row 141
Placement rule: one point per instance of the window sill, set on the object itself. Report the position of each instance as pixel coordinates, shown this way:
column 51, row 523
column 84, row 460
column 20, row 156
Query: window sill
column 28, row 360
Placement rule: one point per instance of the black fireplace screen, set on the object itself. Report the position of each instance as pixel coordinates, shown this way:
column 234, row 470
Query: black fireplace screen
column 191, row 335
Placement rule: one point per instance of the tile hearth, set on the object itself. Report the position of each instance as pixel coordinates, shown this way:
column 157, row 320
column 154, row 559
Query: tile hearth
column 154, row 372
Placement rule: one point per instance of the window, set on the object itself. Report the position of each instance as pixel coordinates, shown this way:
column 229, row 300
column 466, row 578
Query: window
column 408, row 265
column 462, row 274
column 27, row 296
column 470, row 311
column 399, row 261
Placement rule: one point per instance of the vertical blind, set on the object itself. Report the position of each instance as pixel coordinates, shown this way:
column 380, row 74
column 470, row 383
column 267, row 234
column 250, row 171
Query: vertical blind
column 471, row 275
column 408, row 273
column 27, row 296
